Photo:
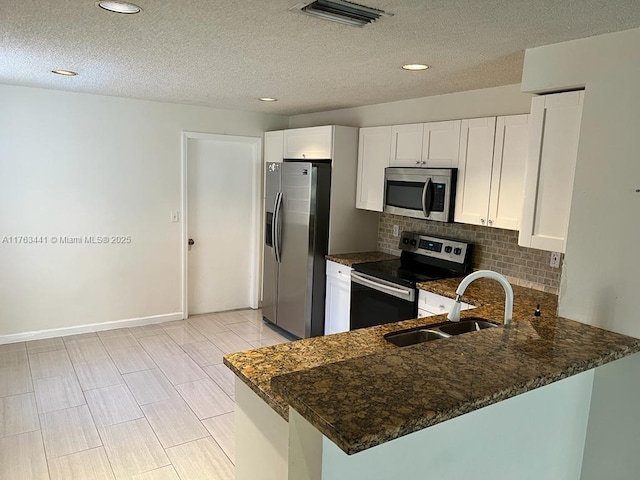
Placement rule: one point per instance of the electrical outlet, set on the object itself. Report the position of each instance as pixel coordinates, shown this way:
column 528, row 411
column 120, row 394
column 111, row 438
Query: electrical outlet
column 396, row 230
column 555, row 260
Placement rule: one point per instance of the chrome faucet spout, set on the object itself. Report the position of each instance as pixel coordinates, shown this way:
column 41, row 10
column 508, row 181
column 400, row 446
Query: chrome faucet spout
column 454, row 314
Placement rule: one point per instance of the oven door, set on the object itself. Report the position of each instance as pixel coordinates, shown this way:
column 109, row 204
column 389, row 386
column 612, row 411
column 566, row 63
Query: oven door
column 420, row 193
column 376, row 302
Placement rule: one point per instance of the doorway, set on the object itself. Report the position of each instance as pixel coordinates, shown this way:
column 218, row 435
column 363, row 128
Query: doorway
column 221, row 228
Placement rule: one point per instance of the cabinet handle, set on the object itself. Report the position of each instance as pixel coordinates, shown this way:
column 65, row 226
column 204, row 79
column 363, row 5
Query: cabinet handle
column 418, row 162
column 482, row 221
column 490, row 222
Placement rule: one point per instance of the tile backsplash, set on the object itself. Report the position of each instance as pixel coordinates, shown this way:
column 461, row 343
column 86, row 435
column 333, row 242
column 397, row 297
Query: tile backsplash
column 493, row 249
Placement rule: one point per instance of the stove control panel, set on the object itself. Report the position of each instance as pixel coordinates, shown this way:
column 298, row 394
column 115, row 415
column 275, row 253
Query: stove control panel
column 442, row 248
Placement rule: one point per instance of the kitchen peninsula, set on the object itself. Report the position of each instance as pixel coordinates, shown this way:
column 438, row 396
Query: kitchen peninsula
column 363, row 408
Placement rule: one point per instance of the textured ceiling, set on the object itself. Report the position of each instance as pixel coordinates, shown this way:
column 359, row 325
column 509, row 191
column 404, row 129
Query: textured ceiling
column 225, row 54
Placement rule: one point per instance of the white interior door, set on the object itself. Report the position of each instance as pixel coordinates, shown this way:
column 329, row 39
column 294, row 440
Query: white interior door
column 223, row 203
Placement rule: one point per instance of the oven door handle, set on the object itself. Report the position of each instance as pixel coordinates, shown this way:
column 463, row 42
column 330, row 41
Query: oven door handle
column 367, row 281
column 427, row 198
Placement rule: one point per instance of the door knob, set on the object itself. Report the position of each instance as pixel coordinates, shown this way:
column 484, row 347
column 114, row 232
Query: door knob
column 191, row 242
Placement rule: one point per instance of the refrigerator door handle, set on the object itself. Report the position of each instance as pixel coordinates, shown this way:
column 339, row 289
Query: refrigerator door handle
column 276, row 227
column 273, row 227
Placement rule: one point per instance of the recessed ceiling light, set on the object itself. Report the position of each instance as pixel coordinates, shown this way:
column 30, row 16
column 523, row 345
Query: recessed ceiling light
column 119, row 7
column 415, row 67
column 268, row 99
column 66, row 73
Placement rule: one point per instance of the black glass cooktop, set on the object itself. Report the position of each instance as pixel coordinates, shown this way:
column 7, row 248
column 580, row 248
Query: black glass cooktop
column 394, row 271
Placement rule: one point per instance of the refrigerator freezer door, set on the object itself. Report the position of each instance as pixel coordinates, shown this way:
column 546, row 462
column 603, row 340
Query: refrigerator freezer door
column 270, row 266
column 294, row 285
column 294, row 282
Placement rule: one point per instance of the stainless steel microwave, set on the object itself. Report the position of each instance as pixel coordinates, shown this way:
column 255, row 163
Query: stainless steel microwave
column 427, row 193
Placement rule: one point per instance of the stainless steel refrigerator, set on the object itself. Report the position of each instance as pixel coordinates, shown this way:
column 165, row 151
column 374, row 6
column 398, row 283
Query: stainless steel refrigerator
column 298, row 196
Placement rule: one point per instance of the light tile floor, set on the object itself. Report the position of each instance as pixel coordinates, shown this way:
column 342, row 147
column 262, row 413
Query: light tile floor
column 134, row 403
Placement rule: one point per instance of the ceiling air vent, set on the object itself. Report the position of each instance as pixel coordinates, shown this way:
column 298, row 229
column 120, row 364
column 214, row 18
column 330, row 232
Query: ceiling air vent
column 341, row 11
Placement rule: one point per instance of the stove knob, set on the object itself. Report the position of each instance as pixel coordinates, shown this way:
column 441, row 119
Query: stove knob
column 447, row 249
column 457, row 251
column 405, row 241
column 413, row 243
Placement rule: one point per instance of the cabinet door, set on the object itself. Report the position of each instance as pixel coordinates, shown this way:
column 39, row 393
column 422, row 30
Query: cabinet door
column 474, row 170
column 274, row 146
column 338, row 299
column 441, row 144
column 553, row 146
column 313, row 143
column 374, row 149
column 509, row 163
column 406, row 145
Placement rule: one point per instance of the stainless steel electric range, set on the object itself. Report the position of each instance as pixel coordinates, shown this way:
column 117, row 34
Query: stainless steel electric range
column 386, row 291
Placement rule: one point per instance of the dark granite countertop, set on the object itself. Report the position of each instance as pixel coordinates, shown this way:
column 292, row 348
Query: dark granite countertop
column 350, row 259
column 360, row 390
column 257, row 367
column 364, row 402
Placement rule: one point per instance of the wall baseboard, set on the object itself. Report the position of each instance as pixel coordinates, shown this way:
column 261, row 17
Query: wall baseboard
column 92, row 327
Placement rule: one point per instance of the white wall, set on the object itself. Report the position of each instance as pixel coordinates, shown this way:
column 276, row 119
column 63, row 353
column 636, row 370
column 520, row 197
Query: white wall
column 600, row 282
column 506, row 100
column 82, row 165
column 611, row 446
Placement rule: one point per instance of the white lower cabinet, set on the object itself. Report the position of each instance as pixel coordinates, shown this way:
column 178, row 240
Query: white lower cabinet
column 430, row 304
column 338, row 298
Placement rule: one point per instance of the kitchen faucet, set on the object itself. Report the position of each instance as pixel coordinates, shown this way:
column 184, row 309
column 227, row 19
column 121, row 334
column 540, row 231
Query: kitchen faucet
column 454, row 314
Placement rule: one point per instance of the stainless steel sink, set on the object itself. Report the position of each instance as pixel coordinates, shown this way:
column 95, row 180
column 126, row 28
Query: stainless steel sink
column 411, row 337
column 465, row 326
column 416, row 335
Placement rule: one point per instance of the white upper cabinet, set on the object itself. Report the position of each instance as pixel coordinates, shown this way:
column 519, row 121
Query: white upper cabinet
column 406, row 145
column 274, row 146
column 491, row 171
column 374, row 150
column 441, row 144
column 553, row 147
column 508, row 172
column 474, row 170
column 312, row 143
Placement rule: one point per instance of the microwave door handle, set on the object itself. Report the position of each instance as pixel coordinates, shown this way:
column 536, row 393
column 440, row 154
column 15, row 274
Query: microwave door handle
column 427, row 198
